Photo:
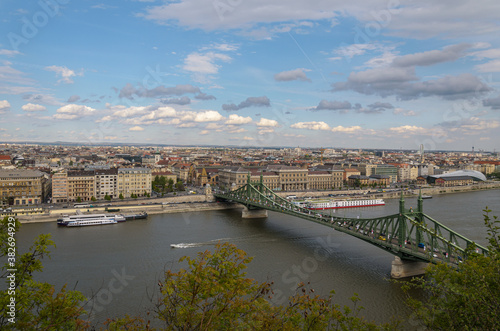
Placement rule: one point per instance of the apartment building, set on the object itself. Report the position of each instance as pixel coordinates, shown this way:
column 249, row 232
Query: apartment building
column 81, row 185
column 106, row 183
column 60, row 187
column 23, row 187
column 134, row 181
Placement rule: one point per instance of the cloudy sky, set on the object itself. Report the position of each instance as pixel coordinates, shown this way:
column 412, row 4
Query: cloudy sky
column 318, row 73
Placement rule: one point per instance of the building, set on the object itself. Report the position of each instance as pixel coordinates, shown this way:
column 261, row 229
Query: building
column 367, row 169
column 233, row 177
column 167, row 174
column 60, row 187
column 406, row 172
column 81, row 185
column 456, row 178
column 5, row 160
column 134, row 181
column 181, row 170
column 348, row 172
column 290, row 178
column 358, row 180
column 379, row 180
column 388, row 170
column 425, row 169
column 320, row 180
column 23, row 187
column 106, row 183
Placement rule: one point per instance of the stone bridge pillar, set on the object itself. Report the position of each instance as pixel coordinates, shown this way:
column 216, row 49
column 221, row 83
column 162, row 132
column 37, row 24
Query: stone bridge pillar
column 253, row 213
column 405, row 268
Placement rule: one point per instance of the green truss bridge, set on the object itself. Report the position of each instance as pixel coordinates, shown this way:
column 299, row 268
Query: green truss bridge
column 415, row 238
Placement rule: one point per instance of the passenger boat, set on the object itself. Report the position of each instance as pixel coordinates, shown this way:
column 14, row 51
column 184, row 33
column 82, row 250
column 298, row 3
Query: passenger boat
column 330, row 204
column 426, row 196
column 88, row 220
column 136, row 216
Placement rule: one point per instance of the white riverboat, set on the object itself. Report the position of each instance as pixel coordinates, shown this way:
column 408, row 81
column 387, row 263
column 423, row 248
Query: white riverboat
column 88, row 220
column 337, row 204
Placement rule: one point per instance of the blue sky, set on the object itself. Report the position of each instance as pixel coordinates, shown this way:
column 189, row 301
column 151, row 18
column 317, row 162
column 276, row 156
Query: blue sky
column 366, row 74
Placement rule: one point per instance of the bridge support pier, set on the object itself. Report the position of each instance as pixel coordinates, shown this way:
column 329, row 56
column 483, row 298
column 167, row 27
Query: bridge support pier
column 253, row 213
column 406, row 268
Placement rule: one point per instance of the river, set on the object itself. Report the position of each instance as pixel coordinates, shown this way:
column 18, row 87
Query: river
column 121, row 264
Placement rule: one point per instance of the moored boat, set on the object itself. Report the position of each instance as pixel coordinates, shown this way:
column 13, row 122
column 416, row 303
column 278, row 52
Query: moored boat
column 330, row 204
column 142, row 215
column 90, row 219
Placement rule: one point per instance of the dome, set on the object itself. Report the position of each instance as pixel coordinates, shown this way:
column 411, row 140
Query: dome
column 471, row 173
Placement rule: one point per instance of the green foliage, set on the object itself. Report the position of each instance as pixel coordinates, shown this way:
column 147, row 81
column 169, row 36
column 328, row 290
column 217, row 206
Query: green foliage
column 93, row 198
column 107, row 197
column 121, row 196
column 467, row 298
column 78, row 199
column 179, row 186
column 37, row 305
column 213, row 293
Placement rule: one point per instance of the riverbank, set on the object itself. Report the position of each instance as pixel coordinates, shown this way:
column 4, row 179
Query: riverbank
column 134, row 209
column 187, row 204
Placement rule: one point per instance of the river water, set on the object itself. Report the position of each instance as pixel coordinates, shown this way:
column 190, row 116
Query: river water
column 121, row 264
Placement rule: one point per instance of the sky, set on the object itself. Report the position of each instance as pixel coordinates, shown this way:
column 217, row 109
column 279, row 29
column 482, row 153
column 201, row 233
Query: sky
column 391, row 74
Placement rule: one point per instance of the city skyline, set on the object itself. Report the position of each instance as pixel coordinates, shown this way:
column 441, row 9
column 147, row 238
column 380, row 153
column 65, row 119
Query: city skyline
column 371, row 74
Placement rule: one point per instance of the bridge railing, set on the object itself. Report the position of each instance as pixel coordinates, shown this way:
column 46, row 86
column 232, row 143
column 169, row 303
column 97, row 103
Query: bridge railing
column 410, row 234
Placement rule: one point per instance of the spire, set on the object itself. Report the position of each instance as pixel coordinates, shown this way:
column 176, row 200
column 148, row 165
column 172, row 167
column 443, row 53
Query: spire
column 420, row 202
column 401, row 203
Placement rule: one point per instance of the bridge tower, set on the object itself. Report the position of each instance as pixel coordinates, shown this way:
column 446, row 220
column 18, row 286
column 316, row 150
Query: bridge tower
column 249, row 211
column 401, row 267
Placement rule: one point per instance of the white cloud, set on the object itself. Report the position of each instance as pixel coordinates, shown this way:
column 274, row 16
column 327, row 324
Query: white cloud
column 349, row 51
column 350, row 129
column 136, row 128
column 204, row 63
column 296, row 74
column 238, row 120
column 72, row 111
column 8, row 52
column 412, row 129
column 33, row 107
column 64, row 73
column 266, row 131
column 4, row 106
column 208, row 116
column 491, row 66
column 311, row 126
column 264, row 122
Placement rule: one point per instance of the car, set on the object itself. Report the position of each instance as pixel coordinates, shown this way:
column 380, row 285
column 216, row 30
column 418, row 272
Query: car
column 421, row 245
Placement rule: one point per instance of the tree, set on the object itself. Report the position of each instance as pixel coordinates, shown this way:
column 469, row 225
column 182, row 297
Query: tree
column 179, row 186
column 78, row 199
column 93, row 198
column 107, row 197
column 213, row 293
column 467, row 297
column 37, row 305
column 121, row 196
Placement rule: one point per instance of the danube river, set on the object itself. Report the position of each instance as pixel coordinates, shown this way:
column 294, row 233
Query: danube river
column 121, row 264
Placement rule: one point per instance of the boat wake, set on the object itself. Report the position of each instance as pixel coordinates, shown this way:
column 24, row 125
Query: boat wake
column 212, row 242
column 182, row 245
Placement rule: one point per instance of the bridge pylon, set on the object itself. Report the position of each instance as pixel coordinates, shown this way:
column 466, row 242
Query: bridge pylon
column 415, row 238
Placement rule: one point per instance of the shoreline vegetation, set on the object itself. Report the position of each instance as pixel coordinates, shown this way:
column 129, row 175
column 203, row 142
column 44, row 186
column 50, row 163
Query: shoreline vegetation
column 194, row 203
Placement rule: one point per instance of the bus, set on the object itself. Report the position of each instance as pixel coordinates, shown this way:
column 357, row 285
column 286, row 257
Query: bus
column 82, row 205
